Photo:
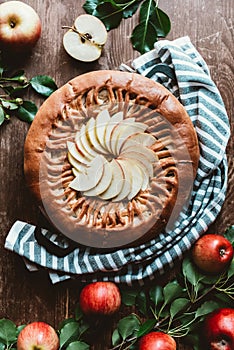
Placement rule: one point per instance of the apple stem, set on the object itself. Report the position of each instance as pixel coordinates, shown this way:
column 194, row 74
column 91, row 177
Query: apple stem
column 84, row 37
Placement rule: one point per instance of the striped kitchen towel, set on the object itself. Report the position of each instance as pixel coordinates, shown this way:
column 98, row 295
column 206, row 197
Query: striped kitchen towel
column 180, row 68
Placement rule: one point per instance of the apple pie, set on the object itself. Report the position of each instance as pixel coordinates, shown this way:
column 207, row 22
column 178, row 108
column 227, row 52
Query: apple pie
column 111, row 159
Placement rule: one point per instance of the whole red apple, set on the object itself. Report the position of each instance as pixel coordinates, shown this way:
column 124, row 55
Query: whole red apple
column 100, row 298
column 38, row 335
column 212, row 253
column 219, row 329
column 20, row 26
column 157, row 341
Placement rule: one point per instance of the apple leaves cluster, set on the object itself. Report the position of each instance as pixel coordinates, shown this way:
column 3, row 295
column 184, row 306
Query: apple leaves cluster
column 13, row 86
column 8, row 334
column 153, row 22
column 177, row 308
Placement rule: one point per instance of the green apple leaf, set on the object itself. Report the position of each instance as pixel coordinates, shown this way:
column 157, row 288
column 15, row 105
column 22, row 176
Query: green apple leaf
column 129, row 7
column 191, row 272
column 109, row 13
column 171, row 291
column 229, row 234
column 178, row 305
column 116, row 337
column 69, row 333
column 8, row 332
column 90, row 6
column 206, row 308
column 2, row 115
column 129, row 326
column 27, row 111
column 143, row 37
column 156, row 295
column 78, row 345
column 128, row 296
column 141, row 302
column 146, row 327
column 43, row 84
column 9, row 105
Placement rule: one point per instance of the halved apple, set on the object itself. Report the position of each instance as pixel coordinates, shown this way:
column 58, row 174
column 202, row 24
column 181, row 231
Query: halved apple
column 85, row 40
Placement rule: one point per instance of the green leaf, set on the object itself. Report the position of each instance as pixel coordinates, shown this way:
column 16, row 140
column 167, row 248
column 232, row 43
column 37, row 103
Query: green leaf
column 8, row 332
column 65, row 321
column 230, row 271
column 172, row 290
column 146, row 327
column 191, row 272
column 141, row 302
column 146, row 10
column 109, row 13
column 69, row 333
column 143, row 37
column 128, row 326
column 19, row 328
column 156, row 295
column 27, row 111
column 229, row 234
column 161, row 22
column 9, row 105
column 128, row 296
column 206, row 308
column 130, row 8
column 90, row 6
column 2, row 346
column 2, row 115
column 43, row 84
column 78, row 345
column 78, row 312
column 178, row 305
column 116, row 338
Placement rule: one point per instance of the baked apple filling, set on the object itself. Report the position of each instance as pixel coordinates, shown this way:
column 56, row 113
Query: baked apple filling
column 111, row 157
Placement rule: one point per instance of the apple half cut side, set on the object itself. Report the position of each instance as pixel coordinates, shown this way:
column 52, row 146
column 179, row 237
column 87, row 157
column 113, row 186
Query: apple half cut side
column 85, row 40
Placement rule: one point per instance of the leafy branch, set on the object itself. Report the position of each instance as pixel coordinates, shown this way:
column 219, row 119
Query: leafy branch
column 177, row 308
column 13, row 86
column 153, row 22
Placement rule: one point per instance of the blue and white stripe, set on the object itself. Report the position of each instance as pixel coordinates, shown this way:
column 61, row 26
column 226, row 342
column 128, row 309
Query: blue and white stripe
column 202, row 100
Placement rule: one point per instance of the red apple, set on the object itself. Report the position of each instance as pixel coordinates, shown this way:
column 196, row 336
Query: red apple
column 219, row 329
column 212, row 253
column 100, row 298
column 38, row 335
column 20, row 26
column 157, row 341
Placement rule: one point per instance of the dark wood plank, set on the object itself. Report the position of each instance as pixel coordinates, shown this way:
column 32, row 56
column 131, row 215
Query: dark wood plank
column 26, row 296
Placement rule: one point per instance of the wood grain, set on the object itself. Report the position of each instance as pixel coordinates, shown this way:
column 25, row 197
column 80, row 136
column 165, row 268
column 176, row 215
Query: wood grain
column 26, row 296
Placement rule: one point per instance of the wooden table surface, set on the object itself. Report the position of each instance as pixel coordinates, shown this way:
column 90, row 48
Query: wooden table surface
column 25, row 296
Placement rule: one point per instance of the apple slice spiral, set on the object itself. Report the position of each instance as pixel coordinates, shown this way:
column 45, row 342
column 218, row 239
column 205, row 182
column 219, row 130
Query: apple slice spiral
column 111, row 157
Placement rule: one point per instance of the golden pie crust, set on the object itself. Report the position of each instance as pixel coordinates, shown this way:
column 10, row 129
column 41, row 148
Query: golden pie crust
column 103, row 223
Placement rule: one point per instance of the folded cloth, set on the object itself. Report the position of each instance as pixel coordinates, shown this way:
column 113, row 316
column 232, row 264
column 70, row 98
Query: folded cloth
column 180, row 68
